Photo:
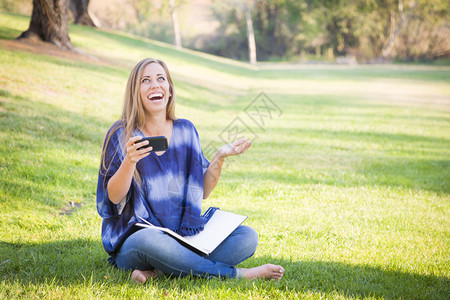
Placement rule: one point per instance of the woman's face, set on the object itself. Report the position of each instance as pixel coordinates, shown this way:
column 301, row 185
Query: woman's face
column 155, row 88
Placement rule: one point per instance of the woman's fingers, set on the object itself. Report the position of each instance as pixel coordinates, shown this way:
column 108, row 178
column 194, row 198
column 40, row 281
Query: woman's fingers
column 140, row 145
column 241, row 146
column 235, row 148
column 133, row 140
column 134, row 150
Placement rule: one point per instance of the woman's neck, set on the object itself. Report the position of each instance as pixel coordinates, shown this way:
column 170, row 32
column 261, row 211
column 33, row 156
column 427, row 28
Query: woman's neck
column 156, row 125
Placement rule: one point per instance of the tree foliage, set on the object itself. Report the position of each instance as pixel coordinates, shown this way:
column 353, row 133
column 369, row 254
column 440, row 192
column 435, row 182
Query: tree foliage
column 364, row 29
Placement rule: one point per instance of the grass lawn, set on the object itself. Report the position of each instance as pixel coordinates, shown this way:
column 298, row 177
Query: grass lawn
column 347, row 181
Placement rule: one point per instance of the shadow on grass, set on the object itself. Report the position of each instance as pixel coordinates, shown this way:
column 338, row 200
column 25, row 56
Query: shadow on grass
column 358, row 280
column 77, row 261
column 64, row 262
column 397, row 160
column 416, row 174
column 47, row 152
column 420, row 142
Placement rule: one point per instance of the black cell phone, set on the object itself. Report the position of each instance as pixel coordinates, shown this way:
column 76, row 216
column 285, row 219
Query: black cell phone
column 159, row 143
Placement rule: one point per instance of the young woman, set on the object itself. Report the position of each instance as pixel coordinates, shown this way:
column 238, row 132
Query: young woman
column 165, row 188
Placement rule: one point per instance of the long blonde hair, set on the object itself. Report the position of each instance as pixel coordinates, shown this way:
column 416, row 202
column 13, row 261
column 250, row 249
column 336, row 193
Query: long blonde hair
column 133, row 114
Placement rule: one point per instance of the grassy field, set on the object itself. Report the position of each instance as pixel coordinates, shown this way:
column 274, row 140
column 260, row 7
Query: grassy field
column 347, row 182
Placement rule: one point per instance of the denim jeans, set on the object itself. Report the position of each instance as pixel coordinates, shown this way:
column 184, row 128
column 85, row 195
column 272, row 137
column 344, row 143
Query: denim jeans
column 149, row 249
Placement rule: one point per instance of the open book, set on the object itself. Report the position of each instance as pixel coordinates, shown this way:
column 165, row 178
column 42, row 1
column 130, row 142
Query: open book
column 217, row 229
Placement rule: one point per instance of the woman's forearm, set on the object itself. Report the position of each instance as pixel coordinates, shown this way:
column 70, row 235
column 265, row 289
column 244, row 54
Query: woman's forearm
column 212, row 174
column 120, row 182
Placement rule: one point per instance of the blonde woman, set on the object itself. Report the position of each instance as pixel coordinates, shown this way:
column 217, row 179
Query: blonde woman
column 165, row 188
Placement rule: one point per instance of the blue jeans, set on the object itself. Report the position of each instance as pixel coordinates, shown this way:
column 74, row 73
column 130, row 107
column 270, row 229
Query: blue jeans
column 149, row 249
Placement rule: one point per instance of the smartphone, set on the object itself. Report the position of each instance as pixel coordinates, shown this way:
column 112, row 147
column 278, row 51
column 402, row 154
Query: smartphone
column 159, row 143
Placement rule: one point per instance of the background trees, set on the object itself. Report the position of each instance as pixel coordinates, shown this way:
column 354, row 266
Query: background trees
column 49, row 23
column 293, row 30
column 363, row 29
column 79, row 10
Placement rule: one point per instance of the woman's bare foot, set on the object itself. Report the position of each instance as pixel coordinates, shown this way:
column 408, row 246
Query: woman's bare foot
column 267, row 271
column 140, row 277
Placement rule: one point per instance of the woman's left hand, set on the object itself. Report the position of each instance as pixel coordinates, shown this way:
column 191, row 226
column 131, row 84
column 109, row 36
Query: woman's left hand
column 235, row 148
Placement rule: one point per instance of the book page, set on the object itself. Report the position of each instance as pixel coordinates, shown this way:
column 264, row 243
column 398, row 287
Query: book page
column 218, row 228
column 172, row 233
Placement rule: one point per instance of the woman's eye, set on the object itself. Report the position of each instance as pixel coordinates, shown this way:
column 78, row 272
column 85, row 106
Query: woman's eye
column 144, row 80
column 161, row 78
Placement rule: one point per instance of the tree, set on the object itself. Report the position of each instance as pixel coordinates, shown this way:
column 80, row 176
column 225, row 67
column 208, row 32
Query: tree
column 49, row 23
column 176, row 26
column 137, row 14
column 395, row 30
column 278, row 27
column 79, row 9
column 246, row 7
column 366, row 30
column 250, row 32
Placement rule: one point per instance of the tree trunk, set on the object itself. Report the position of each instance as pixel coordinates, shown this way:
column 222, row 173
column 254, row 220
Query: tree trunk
column 137, row 15
column 394, row 33
column 79, row 9
column 250, row 35
column 49, row 23
column 176, row 27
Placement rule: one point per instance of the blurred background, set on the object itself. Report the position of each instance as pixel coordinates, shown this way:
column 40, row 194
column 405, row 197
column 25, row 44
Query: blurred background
column 347, row 181
column 306, row 31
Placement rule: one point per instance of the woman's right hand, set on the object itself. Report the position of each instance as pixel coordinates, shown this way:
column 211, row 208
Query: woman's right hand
column 133, row 154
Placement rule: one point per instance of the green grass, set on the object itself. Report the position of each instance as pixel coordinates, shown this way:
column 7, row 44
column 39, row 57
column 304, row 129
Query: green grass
column 348, row 185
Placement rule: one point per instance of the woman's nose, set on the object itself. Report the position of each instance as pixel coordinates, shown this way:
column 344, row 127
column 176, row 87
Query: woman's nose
column 154, row 84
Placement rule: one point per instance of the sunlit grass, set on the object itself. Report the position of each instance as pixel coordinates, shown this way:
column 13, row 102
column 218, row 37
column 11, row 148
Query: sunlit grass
column 347, row 182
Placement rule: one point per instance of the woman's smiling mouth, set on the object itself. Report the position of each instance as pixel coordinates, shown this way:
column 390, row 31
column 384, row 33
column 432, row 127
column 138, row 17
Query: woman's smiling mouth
column 155, row 96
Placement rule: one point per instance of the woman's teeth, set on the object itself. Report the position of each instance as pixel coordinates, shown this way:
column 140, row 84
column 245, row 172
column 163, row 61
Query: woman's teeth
column 155, row 96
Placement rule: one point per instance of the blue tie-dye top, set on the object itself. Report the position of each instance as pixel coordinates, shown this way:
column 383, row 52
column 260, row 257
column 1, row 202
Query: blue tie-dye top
column 171, row 190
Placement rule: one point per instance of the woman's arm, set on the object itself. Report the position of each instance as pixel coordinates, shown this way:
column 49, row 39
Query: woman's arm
column 212, row 174
column 119, row 184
